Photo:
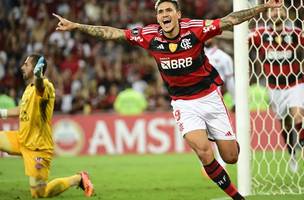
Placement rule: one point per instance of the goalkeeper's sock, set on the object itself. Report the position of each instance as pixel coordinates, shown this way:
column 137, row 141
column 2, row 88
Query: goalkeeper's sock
column 217, row 173
column 59, row 185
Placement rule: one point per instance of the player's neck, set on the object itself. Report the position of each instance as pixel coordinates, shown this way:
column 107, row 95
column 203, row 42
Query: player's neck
column 278, row 27
column 173, row 34
column 29, row 81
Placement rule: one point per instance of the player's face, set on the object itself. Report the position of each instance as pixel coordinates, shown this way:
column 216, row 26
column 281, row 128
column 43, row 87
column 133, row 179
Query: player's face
column 168, row 16
column 27, row 69
column 277, row 15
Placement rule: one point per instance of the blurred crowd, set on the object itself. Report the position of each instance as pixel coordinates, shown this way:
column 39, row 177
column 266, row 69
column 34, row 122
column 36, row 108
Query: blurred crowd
column 88, row 73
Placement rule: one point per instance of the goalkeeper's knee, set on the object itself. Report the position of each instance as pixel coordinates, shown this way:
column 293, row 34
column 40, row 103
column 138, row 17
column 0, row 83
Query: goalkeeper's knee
column 37, row 192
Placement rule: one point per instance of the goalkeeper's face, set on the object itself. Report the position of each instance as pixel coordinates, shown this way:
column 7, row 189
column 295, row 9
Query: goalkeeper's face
column 278, row 15
column 168, row 16
column 27, row 69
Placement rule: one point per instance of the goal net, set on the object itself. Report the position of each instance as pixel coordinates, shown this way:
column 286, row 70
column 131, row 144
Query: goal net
column 275, row 56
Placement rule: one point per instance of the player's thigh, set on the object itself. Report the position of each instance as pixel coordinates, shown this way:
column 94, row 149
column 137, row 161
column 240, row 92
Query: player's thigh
column 186, row 116
column 9, row 142
column 217, row 119
column 279, row 102
column 199, row 142
column 229, row 150
column 37, row 163
column 296, row 102
column 288, row 102
column 219, row 127
column 297, row 114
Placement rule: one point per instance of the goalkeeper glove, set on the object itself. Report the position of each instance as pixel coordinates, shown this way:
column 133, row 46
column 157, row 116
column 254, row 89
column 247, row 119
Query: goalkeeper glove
column 39, row 67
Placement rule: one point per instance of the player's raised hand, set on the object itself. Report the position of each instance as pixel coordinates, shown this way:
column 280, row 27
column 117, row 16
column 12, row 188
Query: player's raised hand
column 64, row 24
column 274, row 3
column 39, row 67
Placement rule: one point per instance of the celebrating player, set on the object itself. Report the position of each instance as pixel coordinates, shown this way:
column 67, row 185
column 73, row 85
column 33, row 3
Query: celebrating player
column 177, row 45
column 33, row 141
column 281, row 48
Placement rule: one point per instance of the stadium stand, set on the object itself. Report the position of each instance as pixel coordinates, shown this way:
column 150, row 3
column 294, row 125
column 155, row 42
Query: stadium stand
column 87, row 71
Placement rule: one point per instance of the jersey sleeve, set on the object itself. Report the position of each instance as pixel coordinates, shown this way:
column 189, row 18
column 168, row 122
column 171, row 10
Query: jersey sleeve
column 136, row 37
column 206, row 29
column 49, row 91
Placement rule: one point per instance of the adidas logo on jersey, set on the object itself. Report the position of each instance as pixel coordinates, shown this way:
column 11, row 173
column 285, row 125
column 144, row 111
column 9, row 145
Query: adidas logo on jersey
column 161, row 46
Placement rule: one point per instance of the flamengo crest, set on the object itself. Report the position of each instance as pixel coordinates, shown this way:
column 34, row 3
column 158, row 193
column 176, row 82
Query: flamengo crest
column 186, row 44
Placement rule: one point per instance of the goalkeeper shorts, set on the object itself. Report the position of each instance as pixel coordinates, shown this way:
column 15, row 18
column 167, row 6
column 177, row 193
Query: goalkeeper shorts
column 36, row 163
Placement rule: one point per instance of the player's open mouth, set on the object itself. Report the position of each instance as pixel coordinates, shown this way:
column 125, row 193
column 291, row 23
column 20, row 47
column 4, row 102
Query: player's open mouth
column 167, row 22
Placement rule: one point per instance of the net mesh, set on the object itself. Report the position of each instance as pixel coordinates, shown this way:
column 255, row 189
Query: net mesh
column 274, row 55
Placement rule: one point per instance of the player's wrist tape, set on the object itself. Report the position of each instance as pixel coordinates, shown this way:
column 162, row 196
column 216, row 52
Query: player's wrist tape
column 3, row 113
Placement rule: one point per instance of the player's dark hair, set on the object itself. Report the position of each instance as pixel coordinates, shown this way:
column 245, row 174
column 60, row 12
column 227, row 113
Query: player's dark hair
column 175, row 2
column 35, row 57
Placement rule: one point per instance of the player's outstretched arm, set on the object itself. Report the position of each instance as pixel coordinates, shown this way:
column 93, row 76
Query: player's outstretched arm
column 38, row 72
column 238, row 17
column 102, row 32
column 13, row 112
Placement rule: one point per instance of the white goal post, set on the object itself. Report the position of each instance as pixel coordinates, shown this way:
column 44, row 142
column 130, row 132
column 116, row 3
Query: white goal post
column 241, row 56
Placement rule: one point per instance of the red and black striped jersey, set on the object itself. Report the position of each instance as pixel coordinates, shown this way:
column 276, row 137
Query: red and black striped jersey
column 281, row 54
column 182, row 62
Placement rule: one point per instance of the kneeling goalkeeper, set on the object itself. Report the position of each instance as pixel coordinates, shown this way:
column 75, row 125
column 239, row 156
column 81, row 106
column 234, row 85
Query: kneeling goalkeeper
column 33, row 141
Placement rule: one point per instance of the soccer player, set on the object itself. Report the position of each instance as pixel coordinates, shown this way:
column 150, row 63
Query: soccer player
column 177, row 45
column 33, row 141
column 281, row 49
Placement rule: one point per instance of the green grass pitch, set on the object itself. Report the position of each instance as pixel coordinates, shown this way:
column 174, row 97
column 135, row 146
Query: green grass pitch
column 127, row 177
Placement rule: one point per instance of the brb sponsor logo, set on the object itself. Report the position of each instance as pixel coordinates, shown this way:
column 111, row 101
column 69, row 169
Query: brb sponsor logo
column 176, row 63
column 279, row 55
column 68, row 137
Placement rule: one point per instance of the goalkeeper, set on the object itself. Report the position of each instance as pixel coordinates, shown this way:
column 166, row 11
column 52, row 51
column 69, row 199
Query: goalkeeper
column 33, row 141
